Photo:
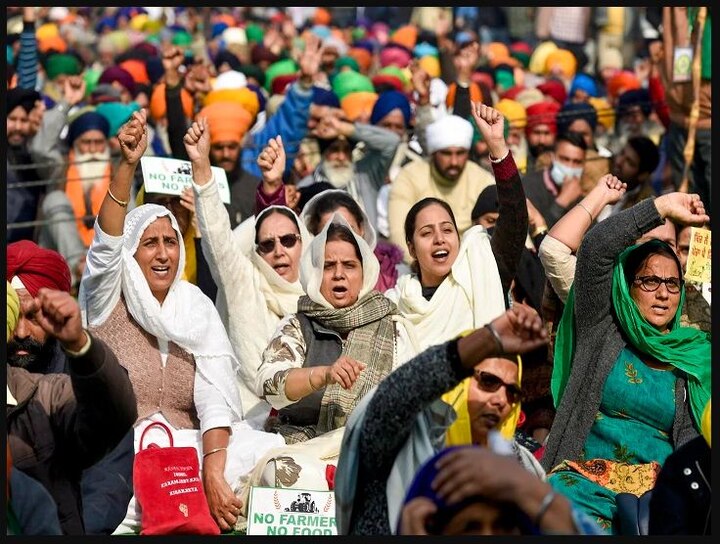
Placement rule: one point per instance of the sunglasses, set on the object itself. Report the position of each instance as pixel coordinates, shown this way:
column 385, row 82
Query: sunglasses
column 652, row 283
column 490, row 383
column 287, row 240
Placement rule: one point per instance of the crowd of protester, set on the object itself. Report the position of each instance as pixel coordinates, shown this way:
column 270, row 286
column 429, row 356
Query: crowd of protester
column 448, row 284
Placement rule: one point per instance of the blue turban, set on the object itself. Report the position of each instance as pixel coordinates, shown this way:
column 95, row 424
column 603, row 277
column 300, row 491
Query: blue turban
column 321, row 31
column 570, row 112
column 388, row 101
column 89, row 120
column 424, row 49
column 634, row 97
column 324, row 97
column 154, row 69
column 108, row 22
column 117, row 114
column 583, row 82
column 260, row 95
column 217, row 29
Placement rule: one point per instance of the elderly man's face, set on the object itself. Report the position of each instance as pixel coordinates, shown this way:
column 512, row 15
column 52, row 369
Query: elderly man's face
column 395, row 121
column 450, row 162
column 28, row 348
column 18, row 126
column 91, row 141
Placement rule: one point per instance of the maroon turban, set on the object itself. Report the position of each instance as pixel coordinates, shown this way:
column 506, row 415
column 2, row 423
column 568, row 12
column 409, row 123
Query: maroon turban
column 554, row 89
column 279, row 83
column 121, row 75
column 260, row 53
column 542, row 113
column 37, row 267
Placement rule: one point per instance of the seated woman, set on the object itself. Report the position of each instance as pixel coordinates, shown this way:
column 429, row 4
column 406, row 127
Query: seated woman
column 256, row 268
column 168, row 335
column 629, row 382
column 344, row 339
column 462, row 284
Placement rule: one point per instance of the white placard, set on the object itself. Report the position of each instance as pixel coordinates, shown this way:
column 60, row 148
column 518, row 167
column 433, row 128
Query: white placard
column 171, row 176
column 293, row 512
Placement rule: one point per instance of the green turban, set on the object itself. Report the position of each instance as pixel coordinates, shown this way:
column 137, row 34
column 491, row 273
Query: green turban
column 254, row 33
column 182, row 38
column 280, row 68
column 524, row 58
column 351, row 82
column 13, row 310
column 347, row 61
column 59, row 64
column 91, row 80
column 393, row 70
column 117, row 114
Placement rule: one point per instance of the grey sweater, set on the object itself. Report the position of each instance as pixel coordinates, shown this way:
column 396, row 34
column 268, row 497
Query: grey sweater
column 598, row 336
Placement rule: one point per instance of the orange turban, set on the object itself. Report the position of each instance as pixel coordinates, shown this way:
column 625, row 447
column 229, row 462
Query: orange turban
column 405, row 36
column 48, row 30
column 158, row 106
column 358, row 105
column 431, row 65
column 245, row 97
column 52, row 42
column 620, row 82
column 362, row 56
column 563, row 61
column 496, row 52
column 228, row 121
column 322, row 17
column 137, row 69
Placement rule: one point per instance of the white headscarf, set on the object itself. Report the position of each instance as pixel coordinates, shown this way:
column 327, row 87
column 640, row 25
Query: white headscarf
column 281, row 295
column 369, row 233
column 187, row 317
column 313, row 259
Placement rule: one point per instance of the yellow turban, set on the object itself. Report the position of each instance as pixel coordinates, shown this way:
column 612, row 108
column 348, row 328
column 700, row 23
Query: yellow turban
column 48, row 30
column 431, row 65
column 705, row 424
column 13, row 309
column 138, row 22
column 245, row 97
column 513, row 111
column 605, row 112
column 539, row 57
column 359, row 105
column 563, row 61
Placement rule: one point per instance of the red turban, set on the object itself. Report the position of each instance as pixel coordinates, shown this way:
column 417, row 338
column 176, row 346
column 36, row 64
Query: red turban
column 554, row 89
column 512, row 92
column 542, row 113
column 37, row 267
column 280, row 83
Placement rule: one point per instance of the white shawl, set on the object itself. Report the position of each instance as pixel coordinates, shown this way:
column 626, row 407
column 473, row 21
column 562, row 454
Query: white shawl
column 468, row 298
column 369, row 234
column 186, row 317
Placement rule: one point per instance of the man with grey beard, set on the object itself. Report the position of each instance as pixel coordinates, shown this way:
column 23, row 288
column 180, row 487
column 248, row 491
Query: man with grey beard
column 362, row 178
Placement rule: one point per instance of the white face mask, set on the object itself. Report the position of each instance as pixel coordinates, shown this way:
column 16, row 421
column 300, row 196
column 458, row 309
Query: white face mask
column 559, row 172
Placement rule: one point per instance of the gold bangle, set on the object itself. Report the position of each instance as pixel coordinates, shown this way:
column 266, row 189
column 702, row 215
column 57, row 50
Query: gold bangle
column 213, row 451
column 592, row 219
column 121, row 203
column 310, row 380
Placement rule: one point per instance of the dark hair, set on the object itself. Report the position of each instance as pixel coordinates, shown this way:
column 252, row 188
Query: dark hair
column 573, row 138
column 411, row 217
column 647, row 151
column 338, row 232
column 639, row 256
column 330, row 202
column 282, row 211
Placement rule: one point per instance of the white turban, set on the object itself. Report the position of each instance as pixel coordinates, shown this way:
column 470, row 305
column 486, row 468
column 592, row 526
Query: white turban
column 234, row 35
column 449, row 131
column 230, row 80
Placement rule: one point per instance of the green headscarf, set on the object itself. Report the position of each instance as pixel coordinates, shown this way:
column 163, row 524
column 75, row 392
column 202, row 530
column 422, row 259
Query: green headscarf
column 685, row 348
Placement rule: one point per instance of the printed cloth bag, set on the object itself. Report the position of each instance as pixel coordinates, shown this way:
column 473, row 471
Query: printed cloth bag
column 169, row 490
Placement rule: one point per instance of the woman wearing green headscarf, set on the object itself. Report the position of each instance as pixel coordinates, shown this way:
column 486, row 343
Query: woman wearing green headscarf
column 629, row 382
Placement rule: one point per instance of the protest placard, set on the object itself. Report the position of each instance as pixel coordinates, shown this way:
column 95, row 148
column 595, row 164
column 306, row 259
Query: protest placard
column 698, row 267
column 278, row 511
column 171, row 176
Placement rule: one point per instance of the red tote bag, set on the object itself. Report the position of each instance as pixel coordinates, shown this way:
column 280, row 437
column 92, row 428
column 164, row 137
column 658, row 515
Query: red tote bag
column 169, row 490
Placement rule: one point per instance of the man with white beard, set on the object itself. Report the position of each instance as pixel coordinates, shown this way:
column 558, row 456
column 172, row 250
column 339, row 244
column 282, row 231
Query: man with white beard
column 362, row 178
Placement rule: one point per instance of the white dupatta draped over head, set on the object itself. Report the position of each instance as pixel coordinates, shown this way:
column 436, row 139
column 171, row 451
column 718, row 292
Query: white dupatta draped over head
column 313, row 260
column 369, row 234
column 470, row 296
column 281, row 295
column 186, row 317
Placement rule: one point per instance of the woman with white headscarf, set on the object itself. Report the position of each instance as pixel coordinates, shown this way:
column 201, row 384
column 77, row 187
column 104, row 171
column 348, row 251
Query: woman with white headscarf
column 168, row 335
column 344, row 339
column 255, row 267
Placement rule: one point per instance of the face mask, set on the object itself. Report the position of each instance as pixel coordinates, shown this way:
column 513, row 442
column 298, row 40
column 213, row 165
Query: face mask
column 559, row 172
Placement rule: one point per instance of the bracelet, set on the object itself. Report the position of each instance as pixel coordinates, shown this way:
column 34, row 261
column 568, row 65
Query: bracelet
column 121, row 203
column 544, row 505
column 495, row 161
column 310, row 380
column 83, row 350
column 213, row 451
column 592, row 219
column 539, row 230
column 496, row 336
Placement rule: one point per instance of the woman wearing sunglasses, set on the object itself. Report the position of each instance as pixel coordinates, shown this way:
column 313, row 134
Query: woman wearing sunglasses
column 343, row 340
column 629, row 381
column 256, row 268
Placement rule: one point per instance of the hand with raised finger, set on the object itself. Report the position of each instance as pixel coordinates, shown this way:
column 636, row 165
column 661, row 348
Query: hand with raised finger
column 415, row 515
column 35, row 117
column 421, row 83
column 491, row 124
column 272, row 163
column 310, row 60
column 74, row 88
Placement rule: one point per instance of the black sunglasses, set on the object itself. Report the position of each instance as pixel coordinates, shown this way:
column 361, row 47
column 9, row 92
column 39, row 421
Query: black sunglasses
column 287, row 240
column 491, row 383
column 652, row 283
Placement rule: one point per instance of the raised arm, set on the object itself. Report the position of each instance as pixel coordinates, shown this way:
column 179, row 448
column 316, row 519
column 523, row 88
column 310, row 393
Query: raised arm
column 509, row 236
column 172, row 59
column 271, row 191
